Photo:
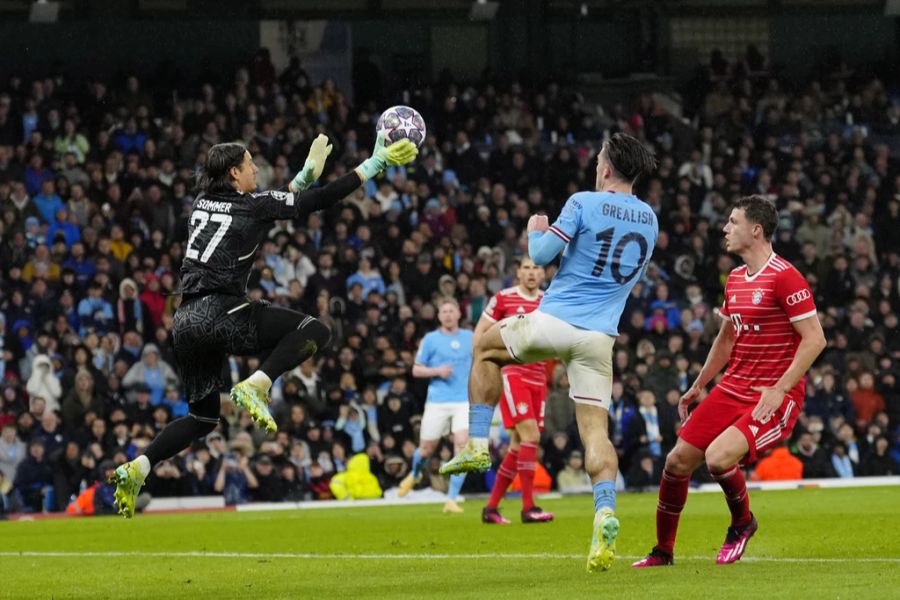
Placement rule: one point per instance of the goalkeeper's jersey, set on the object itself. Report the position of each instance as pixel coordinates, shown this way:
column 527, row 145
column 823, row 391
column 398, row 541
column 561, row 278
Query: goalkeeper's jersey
column 226, row 228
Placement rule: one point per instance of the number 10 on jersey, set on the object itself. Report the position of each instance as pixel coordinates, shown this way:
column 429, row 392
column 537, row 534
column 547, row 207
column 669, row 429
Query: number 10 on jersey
column 605, row 238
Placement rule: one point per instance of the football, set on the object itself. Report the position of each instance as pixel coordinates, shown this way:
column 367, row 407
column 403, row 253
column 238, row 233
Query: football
column 401, row 122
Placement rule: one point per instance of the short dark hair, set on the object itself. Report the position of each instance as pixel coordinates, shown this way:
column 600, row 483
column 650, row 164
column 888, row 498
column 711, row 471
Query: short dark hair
column 629, row 157
column 761, row 211
column 216, row 177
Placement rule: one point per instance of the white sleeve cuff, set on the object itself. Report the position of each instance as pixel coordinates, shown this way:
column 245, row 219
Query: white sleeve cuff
column 806, row 315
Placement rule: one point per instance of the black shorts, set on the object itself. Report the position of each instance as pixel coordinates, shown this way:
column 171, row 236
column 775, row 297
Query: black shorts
column 209, row 328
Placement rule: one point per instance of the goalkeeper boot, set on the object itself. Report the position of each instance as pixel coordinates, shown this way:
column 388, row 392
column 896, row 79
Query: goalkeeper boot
column 735, row 541
column 603, row 542
column 255, row 401
column 470, row 458
column 129, row 480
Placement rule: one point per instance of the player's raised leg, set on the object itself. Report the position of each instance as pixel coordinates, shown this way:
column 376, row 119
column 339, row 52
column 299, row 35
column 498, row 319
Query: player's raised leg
column 722, row 459
column 601, row 464
column 485, row 387
column 290, row 337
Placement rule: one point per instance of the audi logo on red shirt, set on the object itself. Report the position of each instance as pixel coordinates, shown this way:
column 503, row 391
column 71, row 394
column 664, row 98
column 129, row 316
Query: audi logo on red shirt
column 798, row 297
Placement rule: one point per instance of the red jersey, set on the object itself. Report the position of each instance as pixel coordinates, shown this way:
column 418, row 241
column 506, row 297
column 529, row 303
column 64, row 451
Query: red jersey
column 762, row 308
column 509, row 303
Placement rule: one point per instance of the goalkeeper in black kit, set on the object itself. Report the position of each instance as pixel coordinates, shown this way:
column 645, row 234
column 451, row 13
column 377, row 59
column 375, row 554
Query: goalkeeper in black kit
column 228, row 222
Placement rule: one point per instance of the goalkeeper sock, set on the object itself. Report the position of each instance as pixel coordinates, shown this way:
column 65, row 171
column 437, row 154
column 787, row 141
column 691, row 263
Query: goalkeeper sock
column 310, row 336
column 143, row 464
column 175, row 437
column 260, row 380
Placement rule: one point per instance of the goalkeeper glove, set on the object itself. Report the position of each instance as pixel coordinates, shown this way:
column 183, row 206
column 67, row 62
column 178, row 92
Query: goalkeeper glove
column 314, row 164
column 398, row 153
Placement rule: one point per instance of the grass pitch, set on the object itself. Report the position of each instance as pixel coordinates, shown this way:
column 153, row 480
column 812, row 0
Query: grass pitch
column 814, row 543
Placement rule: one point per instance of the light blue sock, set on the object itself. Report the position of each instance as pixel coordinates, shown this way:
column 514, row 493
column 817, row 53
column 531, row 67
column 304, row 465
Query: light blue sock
column 456, row 483
column 480, row 417
column 418, row 462
column 604, row 495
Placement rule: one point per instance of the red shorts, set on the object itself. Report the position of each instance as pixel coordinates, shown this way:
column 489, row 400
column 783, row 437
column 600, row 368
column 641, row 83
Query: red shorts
column 522, row 399
column 719, row 410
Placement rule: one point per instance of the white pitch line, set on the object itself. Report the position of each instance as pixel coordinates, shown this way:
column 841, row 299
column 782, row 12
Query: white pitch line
column 409, row 556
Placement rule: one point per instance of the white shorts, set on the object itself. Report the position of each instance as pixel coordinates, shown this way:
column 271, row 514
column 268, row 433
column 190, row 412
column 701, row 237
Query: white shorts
column 441, row 418
column 586, row 354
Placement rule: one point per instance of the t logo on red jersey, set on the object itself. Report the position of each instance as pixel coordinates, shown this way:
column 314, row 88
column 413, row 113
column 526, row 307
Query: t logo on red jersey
column 737, row 322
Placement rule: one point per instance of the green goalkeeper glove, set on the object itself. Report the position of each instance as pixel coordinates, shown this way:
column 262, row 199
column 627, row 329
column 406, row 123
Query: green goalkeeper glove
column 398, row 153
column 314, row 164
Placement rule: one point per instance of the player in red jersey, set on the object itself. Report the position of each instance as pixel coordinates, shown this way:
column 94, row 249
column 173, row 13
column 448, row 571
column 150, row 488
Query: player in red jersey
column 522, row 401
column 769, row 338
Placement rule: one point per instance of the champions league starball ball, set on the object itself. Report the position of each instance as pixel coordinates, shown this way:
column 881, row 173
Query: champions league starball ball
column 401, row 122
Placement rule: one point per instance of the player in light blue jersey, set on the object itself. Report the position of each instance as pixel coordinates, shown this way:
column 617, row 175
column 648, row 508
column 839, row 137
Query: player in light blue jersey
column 608, row 237
column 445, row 355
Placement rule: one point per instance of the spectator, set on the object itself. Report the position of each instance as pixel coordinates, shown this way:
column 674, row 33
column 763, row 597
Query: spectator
column 132, row 313
column 841, row 463
column 357, row 481
column 878, row 461
column 63, row 227
column 12, row 451
column 48, row 201
column 51, row 434
column 573, row 479
column 235, row 479
column 152, row 371
column 68, row 474
column 43, row 382
column 80, row 400
column 866, row 400
column 153, row 299
column 319, row 482
column 369, row 278
column 94, row 312
column 816, row 464
column 271, row 485
column 644, row 473
column 779, row 464
column 34, row 478
column 295, row 489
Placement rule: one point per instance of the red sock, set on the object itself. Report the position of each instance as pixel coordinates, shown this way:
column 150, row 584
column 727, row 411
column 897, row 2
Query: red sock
column 505, row 474
column 735, row 487
column 673, row 491
column 527, row 458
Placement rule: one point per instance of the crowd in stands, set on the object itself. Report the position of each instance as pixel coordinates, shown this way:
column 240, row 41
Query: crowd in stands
column 97, row 178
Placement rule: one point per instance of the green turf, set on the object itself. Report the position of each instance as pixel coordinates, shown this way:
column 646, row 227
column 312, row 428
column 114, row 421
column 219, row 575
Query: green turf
column 851, row 524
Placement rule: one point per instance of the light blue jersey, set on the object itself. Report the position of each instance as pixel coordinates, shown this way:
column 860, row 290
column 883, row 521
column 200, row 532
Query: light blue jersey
column 454, row 349
column 609, row 239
